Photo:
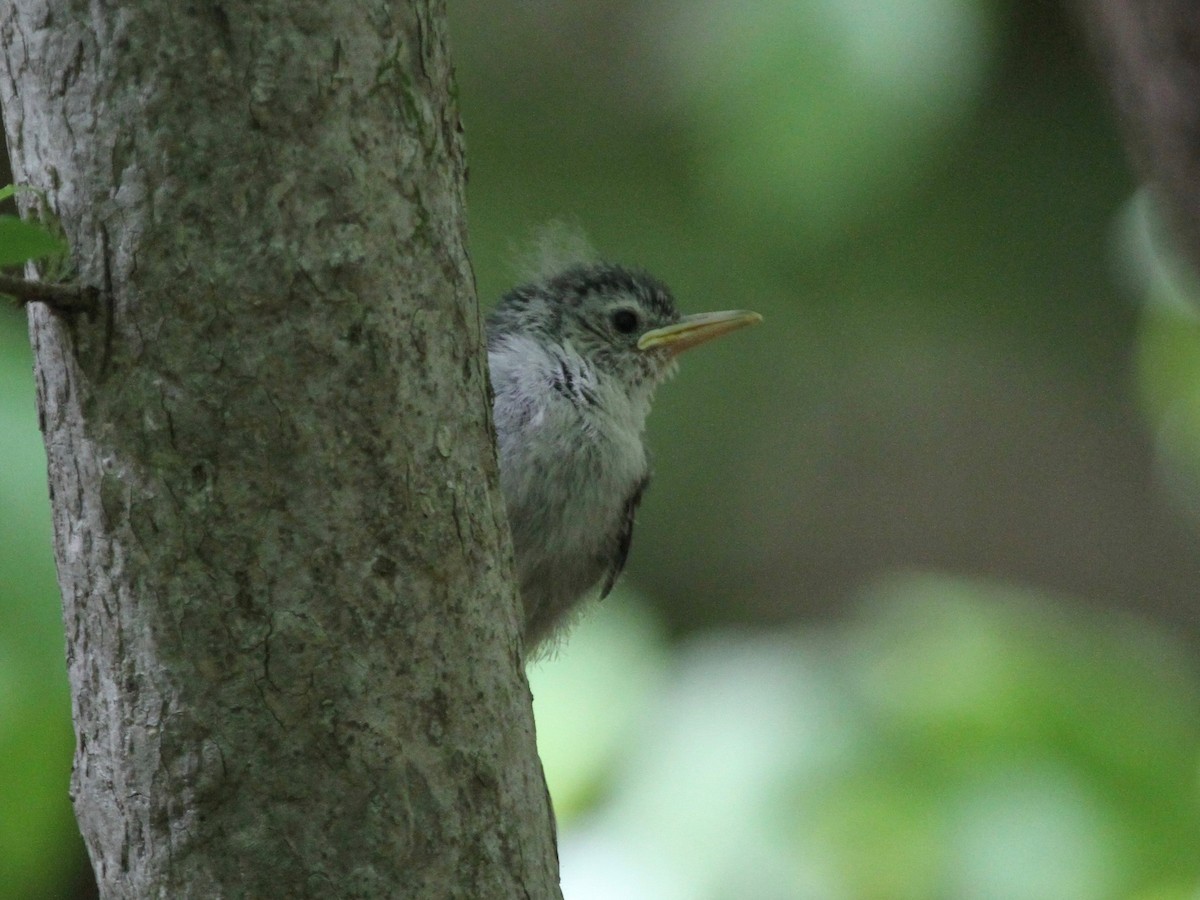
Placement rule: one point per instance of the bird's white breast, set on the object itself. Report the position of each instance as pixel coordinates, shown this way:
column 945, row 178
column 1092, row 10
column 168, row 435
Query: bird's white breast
column 571, row 454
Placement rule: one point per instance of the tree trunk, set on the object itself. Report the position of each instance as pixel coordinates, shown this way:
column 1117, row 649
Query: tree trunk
column 291, row 627
column 1150, row 52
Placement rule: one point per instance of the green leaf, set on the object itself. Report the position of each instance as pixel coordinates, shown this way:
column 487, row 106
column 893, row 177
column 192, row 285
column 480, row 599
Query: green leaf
column 7, row 191
column 22, row 241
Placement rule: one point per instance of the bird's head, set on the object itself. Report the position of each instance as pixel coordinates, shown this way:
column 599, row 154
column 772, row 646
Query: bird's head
column 624, row 322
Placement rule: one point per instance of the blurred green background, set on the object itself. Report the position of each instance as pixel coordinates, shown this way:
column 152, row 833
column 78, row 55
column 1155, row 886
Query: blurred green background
column 912, row 608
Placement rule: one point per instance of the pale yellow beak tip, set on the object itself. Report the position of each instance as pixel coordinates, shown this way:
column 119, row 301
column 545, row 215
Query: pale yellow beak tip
column 691, row 331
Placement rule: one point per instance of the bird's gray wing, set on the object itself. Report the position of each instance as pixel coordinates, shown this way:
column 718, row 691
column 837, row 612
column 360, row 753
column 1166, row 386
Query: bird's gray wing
column 624, row 537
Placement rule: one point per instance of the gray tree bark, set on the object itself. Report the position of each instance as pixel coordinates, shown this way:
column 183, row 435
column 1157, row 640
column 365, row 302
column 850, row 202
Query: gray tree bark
column 291, row 627
column 1150, row 54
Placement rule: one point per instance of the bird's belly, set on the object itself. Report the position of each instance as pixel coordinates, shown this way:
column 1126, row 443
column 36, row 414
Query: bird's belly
column 566, row 508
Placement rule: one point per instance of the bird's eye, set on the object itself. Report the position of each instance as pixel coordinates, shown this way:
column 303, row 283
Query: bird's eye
column 625, row 321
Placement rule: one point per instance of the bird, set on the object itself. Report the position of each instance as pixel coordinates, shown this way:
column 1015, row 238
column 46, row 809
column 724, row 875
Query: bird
column 575, row 358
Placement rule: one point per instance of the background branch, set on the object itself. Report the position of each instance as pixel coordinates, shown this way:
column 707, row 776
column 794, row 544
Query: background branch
column 1150, row 55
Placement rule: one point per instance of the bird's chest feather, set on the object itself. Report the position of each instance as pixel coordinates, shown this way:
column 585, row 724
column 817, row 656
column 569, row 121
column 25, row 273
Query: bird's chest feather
column 571, row 453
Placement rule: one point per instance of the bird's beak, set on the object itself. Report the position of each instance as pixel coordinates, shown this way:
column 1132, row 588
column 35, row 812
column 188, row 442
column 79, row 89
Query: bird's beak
column 691, row 331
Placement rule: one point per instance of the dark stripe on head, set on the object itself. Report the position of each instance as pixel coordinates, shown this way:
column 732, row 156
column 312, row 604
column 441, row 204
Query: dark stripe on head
column 604, row 278
column 539, row 307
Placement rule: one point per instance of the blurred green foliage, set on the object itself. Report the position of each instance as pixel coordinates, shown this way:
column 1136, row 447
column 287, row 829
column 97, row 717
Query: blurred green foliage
column 38, row 840
column 955, row 739
column 911, row 610
column 35, row 733
column 21, row 241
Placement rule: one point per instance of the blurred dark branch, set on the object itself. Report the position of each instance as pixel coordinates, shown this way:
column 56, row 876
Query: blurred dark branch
column 1150, row 53
column 62, row 298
